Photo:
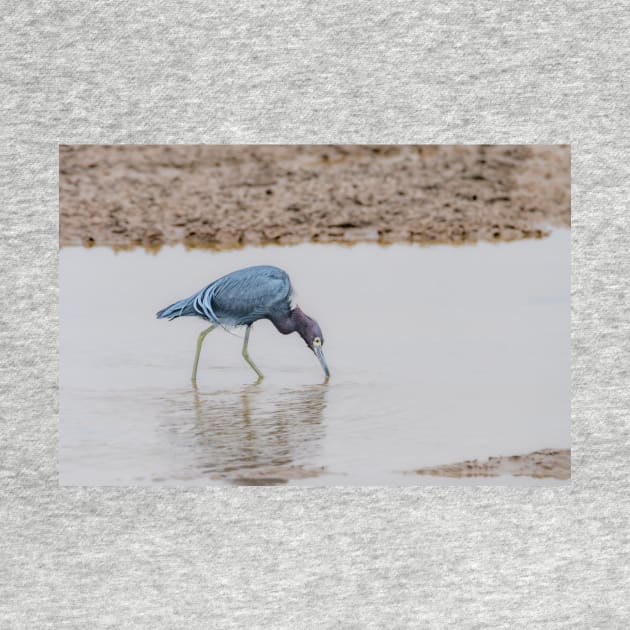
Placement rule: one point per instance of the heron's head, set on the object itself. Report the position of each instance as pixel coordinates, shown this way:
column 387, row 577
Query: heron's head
column 310, row 331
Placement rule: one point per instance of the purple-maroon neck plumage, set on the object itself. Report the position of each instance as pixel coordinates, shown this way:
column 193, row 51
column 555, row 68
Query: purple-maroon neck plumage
column 297, row 321
column 292, row 321
column 284, row 323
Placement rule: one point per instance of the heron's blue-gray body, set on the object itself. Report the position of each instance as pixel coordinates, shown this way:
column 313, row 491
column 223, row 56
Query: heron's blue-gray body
column 243, row 297
column 239, row 298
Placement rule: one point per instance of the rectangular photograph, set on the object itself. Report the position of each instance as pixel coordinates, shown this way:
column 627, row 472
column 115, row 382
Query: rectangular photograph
column 314, row 315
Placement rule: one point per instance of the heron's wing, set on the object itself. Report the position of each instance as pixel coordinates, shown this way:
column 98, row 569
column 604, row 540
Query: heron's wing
column 245, row 296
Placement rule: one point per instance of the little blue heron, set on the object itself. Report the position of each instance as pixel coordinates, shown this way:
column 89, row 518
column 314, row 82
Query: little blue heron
column 243, row 297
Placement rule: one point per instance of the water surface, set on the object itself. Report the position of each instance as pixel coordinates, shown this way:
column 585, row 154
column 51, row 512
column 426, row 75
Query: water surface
column 438, row 354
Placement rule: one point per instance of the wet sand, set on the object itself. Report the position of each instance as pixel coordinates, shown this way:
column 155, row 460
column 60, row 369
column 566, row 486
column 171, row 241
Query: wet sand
column 546, row 463
column 227, row 196
column 543, row 464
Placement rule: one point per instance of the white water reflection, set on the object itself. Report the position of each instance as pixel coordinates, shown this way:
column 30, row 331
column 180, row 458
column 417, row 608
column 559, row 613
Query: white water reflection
column 438, row 354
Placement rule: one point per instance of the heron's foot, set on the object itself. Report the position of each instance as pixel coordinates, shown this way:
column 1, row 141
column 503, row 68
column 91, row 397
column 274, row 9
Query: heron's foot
column 200, row 339
column 254, row 367
column 247, row 358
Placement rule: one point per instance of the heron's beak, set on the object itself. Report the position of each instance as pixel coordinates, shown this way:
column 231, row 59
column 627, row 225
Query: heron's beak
column 320, row 355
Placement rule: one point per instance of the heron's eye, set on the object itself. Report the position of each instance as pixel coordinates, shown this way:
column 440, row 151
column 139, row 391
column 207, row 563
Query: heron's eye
column 317, row 341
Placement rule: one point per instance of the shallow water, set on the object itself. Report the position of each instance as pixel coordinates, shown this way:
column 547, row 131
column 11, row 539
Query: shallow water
column 438, row 354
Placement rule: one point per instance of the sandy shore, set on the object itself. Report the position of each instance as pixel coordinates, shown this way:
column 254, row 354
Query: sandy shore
column 546, row 463
column 228, row 196
column 543, row 464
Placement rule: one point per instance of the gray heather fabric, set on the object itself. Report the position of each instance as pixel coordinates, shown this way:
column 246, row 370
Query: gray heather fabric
column 314, row 72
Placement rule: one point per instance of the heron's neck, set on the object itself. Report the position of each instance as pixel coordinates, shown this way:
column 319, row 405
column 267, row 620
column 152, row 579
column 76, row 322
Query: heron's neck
column 292, row 321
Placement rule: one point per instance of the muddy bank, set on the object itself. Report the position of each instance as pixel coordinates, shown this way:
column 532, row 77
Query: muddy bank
column 546, row 463
column 227, row 196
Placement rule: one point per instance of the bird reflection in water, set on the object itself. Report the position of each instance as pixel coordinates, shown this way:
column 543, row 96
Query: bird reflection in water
column 260, row 436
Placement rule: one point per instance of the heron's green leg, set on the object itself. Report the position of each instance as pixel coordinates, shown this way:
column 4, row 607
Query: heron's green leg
column 200, row 339
column 247, row 357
